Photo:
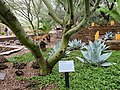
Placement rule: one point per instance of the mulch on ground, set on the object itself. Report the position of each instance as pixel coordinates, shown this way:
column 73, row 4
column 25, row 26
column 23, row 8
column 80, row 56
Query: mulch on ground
column 11, row 83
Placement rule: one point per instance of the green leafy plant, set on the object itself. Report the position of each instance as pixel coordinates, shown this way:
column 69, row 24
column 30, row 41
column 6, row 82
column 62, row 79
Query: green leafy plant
column 75, row 44
column 95, row 53
column 114, row 13
column 3, row 33
column 46, row 26
column 109, row 36
column 102, row 22
column 85, row 75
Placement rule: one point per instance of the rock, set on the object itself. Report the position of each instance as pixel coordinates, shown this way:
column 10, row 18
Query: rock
column 19, row 73
column 2, row 66
column 35, row 65
column 3, row 59
column 4, row 43
column 2, row 76
column 1, row 42
column 11, row 41
column 7, row 43
column 17, row 42
column 31, row 84
column 17, row 65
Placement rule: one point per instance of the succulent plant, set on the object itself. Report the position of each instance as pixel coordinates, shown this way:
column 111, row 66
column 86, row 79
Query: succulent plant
column 109, row 36
column 75, row 44
column 54, row 49
column 95, row 53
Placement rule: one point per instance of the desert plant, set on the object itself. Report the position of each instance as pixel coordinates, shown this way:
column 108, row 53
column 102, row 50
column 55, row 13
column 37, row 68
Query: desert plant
column 75, row 44
column 95, row 53
column 55, row 48
column 109, row 36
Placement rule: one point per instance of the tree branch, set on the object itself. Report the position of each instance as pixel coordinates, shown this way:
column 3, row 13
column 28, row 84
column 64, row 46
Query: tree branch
column 60, row 52
column 76, row 4
column 70, row 7
column 69, row 16
column 85, row 19
column 52, row 13
column 63, row 4
column 19, row 9
column 95, row 6
column 64, row 42
column 87, row 8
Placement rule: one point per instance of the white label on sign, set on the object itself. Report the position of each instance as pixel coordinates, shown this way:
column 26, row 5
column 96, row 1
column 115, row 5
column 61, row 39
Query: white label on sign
column 66, row 66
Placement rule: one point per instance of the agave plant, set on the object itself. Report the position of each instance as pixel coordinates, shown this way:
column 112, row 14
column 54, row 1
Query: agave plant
column 75, row 44
column 109, row 36
column 54, row 49
column 95, row 53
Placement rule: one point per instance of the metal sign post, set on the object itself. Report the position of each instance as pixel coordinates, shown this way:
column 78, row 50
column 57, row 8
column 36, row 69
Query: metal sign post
column 67, row 79
column 66, row 67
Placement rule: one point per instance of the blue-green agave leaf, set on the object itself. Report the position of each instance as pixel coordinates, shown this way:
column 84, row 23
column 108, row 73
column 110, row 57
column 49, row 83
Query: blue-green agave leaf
column 81, row 59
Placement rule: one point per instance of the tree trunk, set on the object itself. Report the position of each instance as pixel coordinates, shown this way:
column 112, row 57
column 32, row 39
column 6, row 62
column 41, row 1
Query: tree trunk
column 60, row 52
column 11, row 21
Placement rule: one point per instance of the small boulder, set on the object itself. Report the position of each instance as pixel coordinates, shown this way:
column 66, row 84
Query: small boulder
column 19, row 73
column 17, row 42
column 3, row 66
column 17, row 65
column 3, row 59
column 2, row 76
column 35, row 65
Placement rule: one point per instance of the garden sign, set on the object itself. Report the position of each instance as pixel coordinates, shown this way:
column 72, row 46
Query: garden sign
column 66, row 66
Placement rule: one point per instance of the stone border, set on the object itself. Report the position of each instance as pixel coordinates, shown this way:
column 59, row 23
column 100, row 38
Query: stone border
column 16, row 48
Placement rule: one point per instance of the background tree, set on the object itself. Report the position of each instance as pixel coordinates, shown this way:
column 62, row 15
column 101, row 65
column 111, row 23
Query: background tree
column 113, row 12
column 69, row 28
column 107, row 4
column 29, row 11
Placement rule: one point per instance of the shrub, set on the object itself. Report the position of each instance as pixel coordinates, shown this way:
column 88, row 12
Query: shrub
column 3, row 33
